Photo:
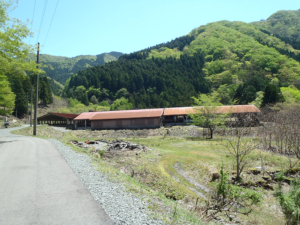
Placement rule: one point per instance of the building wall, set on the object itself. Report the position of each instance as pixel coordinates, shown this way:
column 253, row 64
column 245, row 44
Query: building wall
column 139, row 123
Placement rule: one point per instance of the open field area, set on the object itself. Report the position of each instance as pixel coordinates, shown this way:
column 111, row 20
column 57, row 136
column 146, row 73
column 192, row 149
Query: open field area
column 175, row 171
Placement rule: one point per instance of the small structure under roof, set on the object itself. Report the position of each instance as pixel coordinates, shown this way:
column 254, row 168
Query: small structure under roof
column 180, row 115
column 181, row 111
column 85, row 116
column 84, row 120
column 57, row 119
column 127, row 119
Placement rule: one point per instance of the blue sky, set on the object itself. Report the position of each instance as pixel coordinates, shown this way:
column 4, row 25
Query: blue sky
column 91, row 27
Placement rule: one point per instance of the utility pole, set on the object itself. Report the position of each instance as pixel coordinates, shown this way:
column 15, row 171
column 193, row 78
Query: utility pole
column 31, row 107
column 36, row 91
column 31, row 103
column 27, row 108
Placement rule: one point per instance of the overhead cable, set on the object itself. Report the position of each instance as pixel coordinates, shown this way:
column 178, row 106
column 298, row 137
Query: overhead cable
column 32, row 21
column 45, row 6
column 51, row 22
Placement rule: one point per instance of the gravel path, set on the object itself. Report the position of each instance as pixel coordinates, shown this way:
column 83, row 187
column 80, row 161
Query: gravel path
column 120, row 205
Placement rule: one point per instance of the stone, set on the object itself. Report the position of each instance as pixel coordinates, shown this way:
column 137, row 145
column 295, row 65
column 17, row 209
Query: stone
column 267, row 178
column 254, row 171
column 215, row 176
column 288, row 180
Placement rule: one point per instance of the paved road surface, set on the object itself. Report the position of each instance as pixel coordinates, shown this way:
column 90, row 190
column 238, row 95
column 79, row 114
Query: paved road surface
column 38, row 187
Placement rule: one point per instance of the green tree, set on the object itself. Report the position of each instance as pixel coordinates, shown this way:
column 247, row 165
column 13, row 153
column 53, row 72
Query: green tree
column 13, row 56
column 258, row 100
column 121, row 104
column 224, row 201
column 94, row 91
column 226, row 93
column 74, row 102
column 272, row 94
column 20, row 101
column 81, row 95
column 45, row 93
column 122, row 93
column 7, row 97
column 104, row 103
column 94, row 100
column 206, row 114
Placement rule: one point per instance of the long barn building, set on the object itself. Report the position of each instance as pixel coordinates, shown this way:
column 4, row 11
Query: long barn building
column 154, row 118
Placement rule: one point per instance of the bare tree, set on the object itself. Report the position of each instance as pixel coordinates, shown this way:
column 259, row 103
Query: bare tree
column 281, row 131
column 239, row 145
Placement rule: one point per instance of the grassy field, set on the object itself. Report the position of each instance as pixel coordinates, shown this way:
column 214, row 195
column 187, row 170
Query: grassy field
column 152, row 173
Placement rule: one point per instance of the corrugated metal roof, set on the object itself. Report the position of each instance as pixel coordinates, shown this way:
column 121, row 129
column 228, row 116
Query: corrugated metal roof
column 238, row 109
column 127, row 114
column 65, row 115
column 220, row 109
column 85, row 116
column 178, row 111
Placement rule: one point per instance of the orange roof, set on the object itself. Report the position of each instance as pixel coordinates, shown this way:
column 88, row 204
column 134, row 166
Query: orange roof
column 178, row 111
column 85, row 116
column 127, row 114
column 66, row 115
column 238, row 109
column 63, row 115
column 220, row 109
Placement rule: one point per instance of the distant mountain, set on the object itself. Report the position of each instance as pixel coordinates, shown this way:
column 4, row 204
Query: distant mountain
column 284, row 24
column 236, row 59
column 55, row 86
column 61, row 68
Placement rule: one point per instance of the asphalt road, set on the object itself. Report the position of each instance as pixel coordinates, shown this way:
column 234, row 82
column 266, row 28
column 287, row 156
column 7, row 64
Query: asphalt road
column 37, row 186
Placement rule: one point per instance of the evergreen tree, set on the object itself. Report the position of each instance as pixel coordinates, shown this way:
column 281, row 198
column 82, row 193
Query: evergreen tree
column 272, row 95
column 49, row 90
column 94, row 100
column 45, row 93
column 20, row 101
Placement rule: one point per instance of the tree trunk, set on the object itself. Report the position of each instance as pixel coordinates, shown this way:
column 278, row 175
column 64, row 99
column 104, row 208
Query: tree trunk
column 211, row 133
column 238, row 168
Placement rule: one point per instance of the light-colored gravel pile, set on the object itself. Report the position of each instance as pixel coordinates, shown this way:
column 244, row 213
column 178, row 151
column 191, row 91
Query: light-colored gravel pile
column 120, row 205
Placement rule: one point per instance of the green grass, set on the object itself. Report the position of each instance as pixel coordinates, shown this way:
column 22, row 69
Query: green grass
column 198, row 157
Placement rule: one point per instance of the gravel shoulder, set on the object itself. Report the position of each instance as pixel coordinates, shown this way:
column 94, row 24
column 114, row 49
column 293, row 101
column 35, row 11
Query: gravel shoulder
column 122, row 206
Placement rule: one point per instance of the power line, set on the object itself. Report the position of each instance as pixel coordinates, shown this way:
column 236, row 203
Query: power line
column 51, row 22
column 45, row 6
column 32, row 21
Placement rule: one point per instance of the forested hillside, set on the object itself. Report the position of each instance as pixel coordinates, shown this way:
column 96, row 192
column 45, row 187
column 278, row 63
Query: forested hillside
column 285, row 25
column 61, row 68
column 244, row 63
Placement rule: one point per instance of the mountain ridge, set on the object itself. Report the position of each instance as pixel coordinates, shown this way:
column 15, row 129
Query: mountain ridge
column 60, row 68
column 236, row 59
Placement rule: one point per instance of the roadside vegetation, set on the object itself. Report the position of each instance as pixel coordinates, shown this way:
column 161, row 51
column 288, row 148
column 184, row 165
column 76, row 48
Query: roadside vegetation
column 182, row 167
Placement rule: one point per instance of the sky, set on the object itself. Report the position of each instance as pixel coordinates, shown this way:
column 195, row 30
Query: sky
column 92, row 27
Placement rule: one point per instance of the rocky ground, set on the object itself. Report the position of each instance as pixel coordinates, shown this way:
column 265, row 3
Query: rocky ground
column 175, row 131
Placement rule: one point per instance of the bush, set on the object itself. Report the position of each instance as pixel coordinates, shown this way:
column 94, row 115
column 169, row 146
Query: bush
column 230, row 200
column 289, row 201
